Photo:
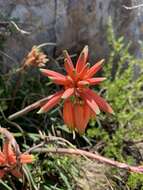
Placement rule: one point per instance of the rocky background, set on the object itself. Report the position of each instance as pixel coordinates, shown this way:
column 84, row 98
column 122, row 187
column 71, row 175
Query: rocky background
column 69, row 23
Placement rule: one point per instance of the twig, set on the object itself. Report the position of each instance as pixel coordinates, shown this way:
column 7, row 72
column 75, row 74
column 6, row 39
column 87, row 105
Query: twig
column 48, row 139
column 53, row 138
column 7, row 23
column 6, row 55
column 14, row 124
column 10, row 138
column 93, row 156
column 133, row 7
column 46, row 44
column 62, row 57
column 29, row 108
column 18, row 29
column 34, row 147
column 109, row 183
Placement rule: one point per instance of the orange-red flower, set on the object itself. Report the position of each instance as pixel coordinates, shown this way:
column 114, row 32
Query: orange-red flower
column 35, row 58
column 80, row 102
column 10, row 163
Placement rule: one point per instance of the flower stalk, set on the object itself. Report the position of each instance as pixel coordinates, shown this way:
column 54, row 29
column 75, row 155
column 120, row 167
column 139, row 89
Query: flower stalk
column 90, row 155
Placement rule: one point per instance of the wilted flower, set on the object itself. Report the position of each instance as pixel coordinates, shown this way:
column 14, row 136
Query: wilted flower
column 35, row 58
column 10, row 163
column 80, row 102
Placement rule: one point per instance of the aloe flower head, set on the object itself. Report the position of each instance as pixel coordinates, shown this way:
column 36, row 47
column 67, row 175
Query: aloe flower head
column 11, row 159
column 80, row 101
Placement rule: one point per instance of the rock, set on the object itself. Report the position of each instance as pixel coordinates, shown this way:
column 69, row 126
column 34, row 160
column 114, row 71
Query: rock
column 92, row 176
column 139, row 147
column 70, row 24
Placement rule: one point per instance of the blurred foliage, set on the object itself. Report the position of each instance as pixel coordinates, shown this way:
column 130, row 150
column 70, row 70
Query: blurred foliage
column 124, row 90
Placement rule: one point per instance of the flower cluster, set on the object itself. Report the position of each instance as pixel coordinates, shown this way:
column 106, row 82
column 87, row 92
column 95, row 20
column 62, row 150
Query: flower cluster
column 35, row 58
column 10, row 162
column 80, row 102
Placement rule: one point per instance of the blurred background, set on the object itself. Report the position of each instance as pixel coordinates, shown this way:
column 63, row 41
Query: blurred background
column 113, row 29
column 70, row 24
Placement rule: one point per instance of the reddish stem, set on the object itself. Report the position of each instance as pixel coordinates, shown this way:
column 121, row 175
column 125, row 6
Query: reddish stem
column 29, row 108
column 137, row 169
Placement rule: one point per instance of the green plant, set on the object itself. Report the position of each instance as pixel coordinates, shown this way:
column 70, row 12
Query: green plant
column 115, row 135
column 124, row 92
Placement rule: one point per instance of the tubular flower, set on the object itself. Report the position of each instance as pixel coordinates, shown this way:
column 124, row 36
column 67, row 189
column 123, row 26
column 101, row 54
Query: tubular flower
column 35, row 58
column 80, row 102
column 10, row 163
